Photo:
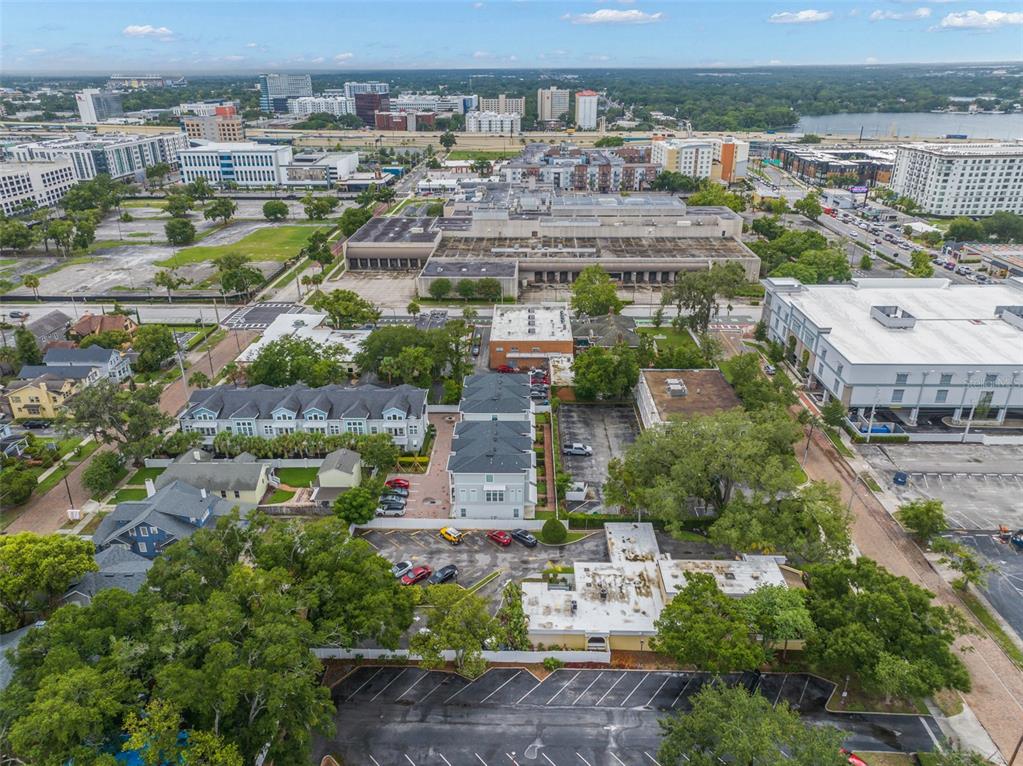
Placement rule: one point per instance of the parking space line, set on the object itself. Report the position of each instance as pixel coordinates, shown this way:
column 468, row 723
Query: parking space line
column 609, row 690
column 388, row 684
column 649, row 701
column 584, row 760
column 375, row 761
column 435, row 688
column 559, row 691
column 409, row 759
column 588, row 687
column 552, row 763
column 806, row 683
column 446, row 761
column 679, row 695
column 652, row 758
column 481, row 759
column 460, row 691
column 379, row 671
column 644, row 678
column 538, row 685
column 618, row 759
column 500, row 687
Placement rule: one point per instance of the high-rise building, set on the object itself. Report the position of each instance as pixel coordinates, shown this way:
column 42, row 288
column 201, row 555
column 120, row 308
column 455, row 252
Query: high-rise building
column 492, row 122
column 452, row 103
column 120, row 155
column 689, row 156
column 95, row 105
column 335, row 105
column 353, row 88
column 368, row 104
column 224, row 126
column 961, row 179
column 276, row 89
column 503, row 105
column 552, row 103
column 586, row 109
column 730, row 159
column 38, row 183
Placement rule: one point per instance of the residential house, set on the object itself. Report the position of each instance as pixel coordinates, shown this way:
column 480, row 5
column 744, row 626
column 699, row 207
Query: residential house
column 267, row 411
column 42, row 396
column 12, row 444
column 492, row 470
column 119, row 567
column 497, row 396
column 241, row 478
column 147, row 527
column 94, row 324
column 340, row 471
column 605, row 331
column 49, row 327
column 86, row 364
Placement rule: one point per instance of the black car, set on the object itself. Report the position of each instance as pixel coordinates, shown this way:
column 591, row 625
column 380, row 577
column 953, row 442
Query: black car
column 391, row 502
column 524, row 537
column 444, row 574
column 35, row 424
column 395, row 492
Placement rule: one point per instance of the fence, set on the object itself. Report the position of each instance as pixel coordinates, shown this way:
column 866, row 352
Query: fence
column 445, row 408
column 399, row 523
column 602, row 658
column 276, row 462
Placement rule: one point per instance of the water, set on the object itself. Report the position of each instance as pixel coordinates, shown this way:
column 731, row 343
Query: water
column 917, row 124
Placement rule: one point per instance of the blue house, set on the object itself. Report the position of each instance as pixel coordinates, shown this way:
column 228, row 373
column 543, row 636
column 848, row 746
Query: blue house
column 173, row 513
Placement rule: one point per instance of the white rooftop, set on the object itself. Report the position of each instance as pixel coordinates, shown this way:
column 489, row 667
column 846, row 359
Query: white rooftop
column 955, row 324
column 240, row 146
column 970, row 150
column 309, row 326
column 734, row 578
column 526, row 322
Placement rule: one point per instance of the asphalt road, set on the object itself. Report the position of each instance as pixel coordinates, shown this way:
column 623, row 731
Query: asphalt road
column 395, row 715
column 1004, row 587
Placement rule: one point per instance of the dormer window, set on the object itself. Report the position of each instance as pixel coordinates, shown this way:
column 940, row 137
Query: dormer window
column 284, row 415
column 315, row 415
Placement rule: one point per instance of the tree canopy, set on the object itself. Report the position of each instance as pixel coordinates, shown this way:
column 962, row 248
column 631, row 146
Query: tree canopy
column 605, row 373
column 346, row 308
column 594, row 294
column 289, row 360
column 35, row 571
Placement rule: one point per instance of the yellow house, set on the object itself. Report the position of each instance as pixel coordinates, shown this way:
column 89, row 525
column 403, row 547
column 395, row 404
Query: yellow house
column 41, row 397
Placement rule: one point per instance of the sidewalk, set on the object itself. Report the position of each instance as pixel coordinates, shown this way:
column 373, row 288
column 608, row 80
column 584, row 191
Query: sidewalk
column 997, row 695
column 176, row 394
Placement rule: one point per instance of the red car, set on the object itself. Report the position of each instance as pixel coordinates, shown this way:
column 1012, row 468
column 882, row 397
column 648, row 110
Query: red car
column 418, row 574
column 505, row 368
column 500, row 537
column 397, row 483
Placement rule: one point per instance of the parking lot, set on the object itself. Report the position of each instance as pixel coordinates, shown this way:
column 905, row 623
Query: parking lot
column 405, row 715
column 477, row 557
column 392, row 292
column 608, row 429
column 1004, row 587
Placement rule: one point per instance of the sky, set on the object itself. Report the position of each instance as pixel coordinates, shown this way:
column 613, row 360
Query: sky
column 213, row 36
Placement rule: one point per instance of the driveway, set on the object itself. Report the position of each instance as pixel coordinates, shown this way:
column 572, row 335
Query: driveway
column 429, row 495
column 608, row 429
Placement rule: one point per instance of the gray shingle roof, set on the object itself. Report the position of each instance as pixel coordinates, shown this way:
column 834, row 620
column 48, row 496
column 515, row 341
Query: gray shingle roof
column 215, row 476
column 340, row 401
column 75, row 372
column 118, row 568
column 343, row 460
column 93, row 355
column 490, row 446
column 495, row 392
column 606, row 330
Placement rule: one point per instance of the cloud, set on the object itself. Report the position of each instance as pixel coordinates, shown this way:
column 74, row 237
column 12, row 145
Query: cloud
column 871, row 60
column 600, row 57
column 774, row 62
column 232, row 58
column 35, row 51
column 612, row 16
column 809, row 16
column 919, row 13
column 477, row 5
column 251, row 45
column 981, row 20
column 317, row 60
column 147, row 30
column 341, row 58
column 482, row 55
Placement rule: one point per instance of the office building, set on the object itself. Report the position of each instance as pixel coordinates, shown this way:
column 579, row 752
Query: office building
column 818, row 164
column 334, row 105
column 321, row 169
column 25, row 186
column 202, row 108
column 410, row 121
column 567, row 167
column 693, row 157
column 351, row 89
column 454, row 103
column 552, row 104
column 586, row 109
column 503, row 105
column 368, row 104
column 961, row 179
column 276, row 89
column 267, row 412
column 246, row 164
column 95, row 105
column 731, row 157
column 523, row 336
column 507, row 124
column 905, row 351
column 136, row 81
column 223, row 126
column 121, row 155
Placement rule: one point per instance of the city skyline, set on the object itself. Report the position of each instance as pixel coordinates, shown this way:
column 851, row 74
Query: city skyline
column 85, row 38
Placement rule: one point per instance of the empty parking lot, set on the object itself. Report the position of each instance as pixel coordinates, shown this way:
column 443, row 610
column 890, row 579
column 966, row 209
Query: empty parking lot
column 413, row 716
column 609, row 430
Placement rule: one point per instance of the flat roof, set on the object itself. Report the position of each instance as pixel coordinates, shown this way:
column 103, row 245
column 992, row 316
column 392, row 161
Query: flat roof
column 955, row 324
column 309, row 326
column 969, row 150
column 680, row 248
column 537, row 322
column 734, row 577
column 437, row 267
column 706, row 392
column 391, row 229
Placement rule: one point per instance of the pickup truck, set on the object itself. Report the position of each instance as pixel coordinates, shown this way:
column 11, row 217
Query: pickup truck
column 582, row 450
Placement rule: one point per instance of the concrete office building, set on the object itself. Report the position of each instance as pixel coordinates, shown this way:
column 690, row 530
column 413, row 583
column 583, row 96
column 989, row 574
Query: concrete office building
column 454, row 103
column 34, row 184
column 95, row 105
column 551, row 104
column 961, row 179
column 276, row 89
column 906, row 351
column 320, row 169
column 246, row 164
column 586, row 109
column 121, row 155
column 335, row 105
column 456, row 272
column 503, row 105
column 491, row 122
column 522, row 336
column 225, row 125
column 351, row 89
column 731, row 157
column 693, row 157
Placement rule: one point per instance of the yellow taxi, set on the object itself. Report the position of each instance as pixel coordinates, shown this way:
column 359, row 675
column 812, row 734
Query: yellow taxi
column 452, row 535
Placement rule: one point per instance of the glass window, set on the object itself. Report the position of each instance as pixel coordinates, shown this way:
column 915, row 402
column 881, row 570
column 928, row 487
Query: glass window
column 946, row 378
column 901, row 378
column 991, row 379
column 143, row 548
column 897, row 394
column 941, row 395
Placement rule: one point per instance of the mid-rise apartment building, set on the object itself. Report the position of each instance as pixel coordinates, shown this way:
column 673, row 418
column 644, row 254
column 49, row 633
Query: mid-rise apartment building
column 961, row 179
column 693, row 157
column 246, row 164
column 503, row 104
column 202, row 108
column 121, row 155
column 276, row 89
column 453, row 103
column 551, row 104
column 731, row 157
column 352, row 88
column 95, row 105
column 39, row 183
column 508, row 124
column 335, row 105
column 586, row 109
column 571, row 168
column 225, row 125
column 410, row 121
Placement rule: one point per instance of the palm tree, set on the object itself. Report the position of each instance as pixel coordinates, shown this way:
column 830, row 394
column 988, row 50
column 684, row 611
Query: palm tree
column 413, row 308
column 31, row 281
column 199, row 380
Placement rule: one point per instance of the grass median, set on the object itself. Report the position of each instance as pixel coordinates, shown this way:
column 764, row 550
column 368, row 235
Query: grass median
column 277, row 243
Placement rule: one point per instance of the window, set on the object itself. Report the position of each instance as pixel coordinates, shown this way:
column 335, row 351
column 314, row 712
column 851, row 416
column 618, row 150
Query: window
column 413, row 429
column 991, row 379
column 901, row 378
column 488, row 477
column 494, row 496
column 237, row 494
column 143, row 548
column 897, row 394
column 941, row 395
column 946, row 378
column 143, row 531
column 334, row 429
column 838, row 372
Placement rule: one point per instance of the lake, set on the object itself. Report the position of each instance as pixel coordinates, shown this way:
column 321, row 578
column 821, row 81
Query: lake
column 922, row 125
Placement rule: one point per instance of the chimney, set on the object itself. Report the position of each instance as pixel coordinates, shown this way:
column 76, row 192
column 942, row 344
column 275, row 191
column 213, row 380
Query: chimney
column 203, row 491
column 150, row 488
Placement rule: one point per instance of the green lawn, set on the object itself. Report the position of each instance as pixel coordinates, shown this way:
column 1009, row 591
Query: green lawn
column 281, row 496
column 140, row 476
column 157, row 203
column 272, row 244
column 466, row 154
column 296, row 477
column 671, row 339
column 129, row 494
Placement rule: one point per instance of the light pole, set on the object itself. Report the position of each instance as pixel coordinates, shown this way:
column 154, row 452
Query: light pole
column 962, row 402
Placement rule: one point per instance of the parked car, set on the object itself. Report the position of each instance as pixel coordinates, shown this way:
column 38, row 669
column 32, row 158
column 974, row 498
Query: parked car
column 401, row 568
column 397, row 483
column 983, row 279
column 452, row 535
column 524, row 537
column 1017, row 539
column 854, row 234
column 951, row 266
column 17, row 314
column 500, row 537
column 770, row 369
column 390, row 510
column 475, row 350
column 392, row 502
column 505, row 368
column 575, row 448
column 34, row 424
column 418, row 574
column 396, row 492
column 537, row 395
column 444, row 574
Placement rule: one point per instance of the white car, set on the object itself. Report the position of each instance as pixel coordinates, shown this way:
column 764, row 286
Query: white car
column 401, row 568
column 390, row 510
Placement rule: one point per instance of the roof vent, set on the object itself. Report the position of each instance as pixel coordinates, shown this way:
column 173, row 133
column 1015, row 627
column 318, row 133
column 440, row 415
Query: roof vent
column 893, row 317
column 1011, row 314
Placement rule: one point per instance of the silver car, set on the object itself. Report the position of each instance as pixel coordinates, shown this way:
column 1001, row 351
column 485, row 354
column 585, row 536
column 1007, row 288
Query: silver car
column 390, row 510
